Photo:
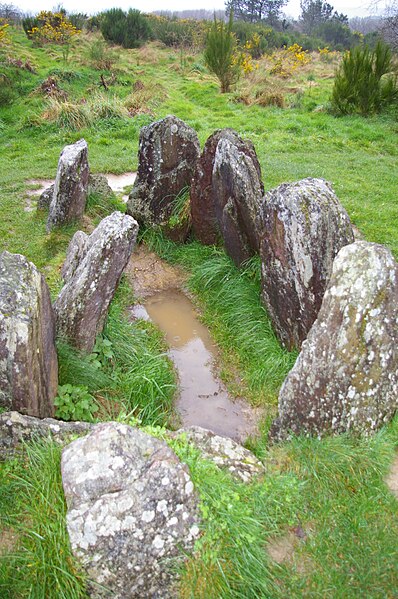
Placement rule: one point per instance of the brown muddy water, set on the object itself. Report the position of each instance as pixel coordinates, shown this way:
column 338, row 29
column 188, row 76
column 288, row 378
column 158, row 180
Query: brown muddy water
column 203, row 399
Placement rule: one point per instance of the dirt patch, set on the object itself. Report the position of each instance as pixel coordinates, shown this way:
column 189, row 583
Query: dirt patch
column 392, row 477
column 8, row 540
column 149, row 274
column 286, row 549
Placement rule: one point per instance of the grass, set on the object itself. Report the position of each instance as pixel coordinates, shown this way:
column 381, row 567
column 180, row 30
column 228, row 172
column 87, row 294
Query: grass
column 40, row 564
column 332, row 489
column 133, row 375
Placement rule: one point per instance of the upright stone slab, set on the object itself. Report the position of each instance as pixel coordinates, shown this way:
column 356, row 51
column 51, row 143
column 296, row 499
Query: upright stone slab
column 132, row 511
column 168, row 151
column 70, row 187
column 237, row 192
column 28, row 358
column 92, row 273
column 302, row 227
column 346, row 376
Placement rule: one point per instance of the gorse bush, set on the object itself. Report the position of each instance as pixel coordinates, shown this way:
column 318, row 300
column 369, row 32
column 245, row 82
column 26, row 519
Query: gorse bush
column 364, row 83
column 220, row 53
column 130, row 29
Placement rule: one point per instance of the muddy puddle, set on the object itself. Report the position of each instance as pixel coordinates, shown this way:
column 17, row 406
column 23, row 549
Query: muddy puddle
column 203, row 399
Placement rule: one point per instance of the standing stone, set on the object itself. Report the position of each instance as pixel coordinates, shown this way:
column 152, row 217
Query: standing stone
column 303, row 226
column 237, row 192
column 167, row 155
column 346, row 376
column 230, row 192
column 28, row 358
column 132, row 511
column 92, row 273
column 70, row 187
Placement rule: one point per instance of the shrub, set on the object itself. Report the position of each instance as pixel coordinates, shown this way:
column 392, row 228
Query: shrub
column 362, row 84
column 3, row 31
column 130, row 30
column 101, row 56
column 220, row 53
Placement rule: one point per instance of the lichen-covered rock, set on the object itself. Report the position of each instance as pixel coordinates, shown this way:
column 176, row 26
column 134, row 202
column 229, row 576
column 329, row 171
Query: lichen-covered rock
column 45, row 198
column 70, row 187
column 168, row 151
column 132, row 510
column 92, row 273
column 302, row 227
column 224, row 452
column 99, row 185
column 28, row 358
column 346, row 376
column 16, row 429
column 240, row 180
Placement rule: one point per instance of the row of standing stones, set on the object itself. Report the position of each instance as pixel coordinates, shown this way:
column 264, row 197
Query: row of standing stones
column 334, row 298
column 132, row 508
column 331, row 297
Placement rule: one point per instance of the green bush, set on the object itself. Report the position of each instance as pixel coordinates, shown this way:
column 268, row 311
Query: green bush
column 220, row 51
column 364, row 83
column 130, row 30
column 75, row 403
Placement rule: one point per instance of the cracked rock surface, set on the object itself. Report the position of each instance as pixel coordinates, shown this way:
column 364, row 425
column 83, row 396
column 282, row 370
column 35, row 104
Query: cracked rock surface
column 71, row 186
column 346, row 376
column 28, row 358
column 132, row 510
column 168, row 151
column 92, row 271
column 302, row 228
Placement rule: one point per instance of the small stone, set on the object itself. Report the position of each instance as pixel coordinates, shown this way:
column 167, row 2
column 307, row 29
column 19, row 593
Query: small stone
column 71, row 186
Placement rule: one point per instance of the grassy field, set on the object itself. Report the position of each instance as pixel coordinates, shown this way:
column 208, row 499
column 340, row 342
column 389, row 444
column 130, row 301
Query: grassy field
column 324, row 501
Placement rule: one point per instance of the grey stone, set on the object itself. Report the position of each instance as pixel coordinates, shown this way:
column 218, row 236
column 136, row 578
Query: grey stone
column 168, row 151
column 302, row 227
column 15, row 429
column 346, row 376
column 237, row 191
column 132, row 511
column 92, row 272
column 70, row 187
column 99, row 185
column 28, row 358
column 45, row 198
column 228, row 455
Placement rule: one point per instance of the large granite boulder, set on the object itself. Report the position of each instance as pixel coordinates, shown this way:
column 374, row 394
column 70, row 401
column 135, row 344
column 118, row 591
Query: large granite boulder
column 92, row 271
column 302, row 227
column 225, row 194
column 346, row 376
column 17, row 429
column 28, row 358
column 168, row 151
column 132, row 511
column 70, row 187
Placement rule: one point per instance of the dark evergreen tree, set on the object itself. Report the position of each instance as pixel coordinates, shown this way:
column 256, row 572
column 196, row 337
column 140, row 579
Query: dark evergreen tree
column 255, row 11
